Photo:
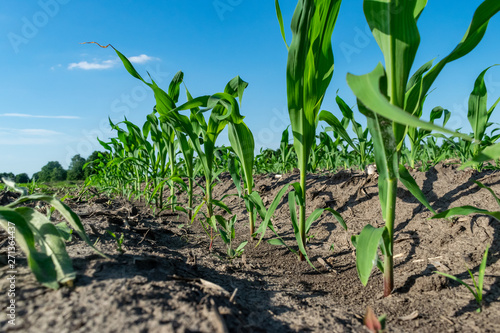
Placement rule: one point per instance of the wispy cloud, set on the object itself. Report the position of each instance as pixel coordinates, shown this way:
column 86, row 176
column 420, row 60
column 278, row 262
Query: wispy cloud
column 24, row 115
column 28, row 136
column 93, row 65
column 107, row 64
column 37, row 132
column 141, row 59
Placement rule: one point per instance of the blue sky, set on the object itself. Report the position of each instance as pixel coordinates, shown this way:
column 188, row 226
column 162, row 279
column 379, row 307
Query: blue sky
column 56, row 94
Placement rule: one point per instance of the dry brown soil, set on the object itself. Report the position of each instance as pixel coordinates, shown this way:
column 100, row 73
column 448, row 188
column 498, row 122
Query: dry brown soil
column 168, row 281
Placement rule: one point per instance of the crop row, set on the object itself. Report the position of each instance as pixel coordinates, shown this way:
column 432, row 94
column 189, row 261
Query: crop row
column 176, row 146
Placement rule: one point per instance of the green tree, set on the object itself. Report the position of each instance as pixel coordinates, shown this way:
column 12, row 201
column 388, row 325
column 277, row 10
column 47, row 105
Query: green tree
column 22, row 178
column 8, row 175
column 75, row 171
column 52, row 172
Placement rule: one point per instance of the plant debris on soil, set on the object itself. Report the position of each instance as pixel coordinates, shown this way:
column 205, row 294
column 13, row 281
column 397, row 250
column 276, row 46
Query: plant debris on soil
column 166, row 280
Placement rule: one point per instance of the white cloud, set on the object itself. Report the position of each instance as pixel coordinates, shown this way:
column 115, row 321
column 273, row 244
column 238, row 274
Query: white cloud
column 106, row 64
column 93, row 65
column 38, row 132
column 141, row 59
column 24, row 115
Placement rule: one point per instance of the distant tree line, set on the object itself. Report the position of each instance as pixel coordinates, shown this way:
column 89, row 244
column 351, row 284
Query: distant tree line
column 54, row 172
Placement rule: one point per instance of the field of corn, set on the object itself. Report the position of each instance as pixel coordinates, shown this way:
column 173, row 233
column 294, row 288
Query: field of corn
column 392, row 229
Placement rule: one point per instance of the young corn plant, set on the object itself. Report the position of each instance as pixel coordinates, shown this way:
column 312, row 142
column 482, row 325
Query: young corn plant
column 39, row 239
column 390, row 102
column 417, row 135
column 478, row 286
column 478, row 116
column 309, row 72
column 225, row 111
column 467, row 210
column 362, row 146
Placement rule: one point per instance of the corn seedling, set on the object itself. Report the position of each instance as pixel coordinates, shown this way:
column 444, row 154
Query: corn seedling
column 478, row 286
column 309, row 72
column 362, row 146
column 228, row 234
column 467, row 210
column 119, row 241
column 390, row 99
column 479, row 115
column 373, row 323
column 40, row 240
column 416, row 135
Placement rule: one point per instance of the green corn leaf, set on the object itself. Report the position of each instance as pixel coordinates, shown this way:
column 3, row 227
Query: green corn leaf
column 225, row 237
column 414, row 189
column 347, row 113
column 313, row 217
column 413, row 101
column 174, row 87
column 478, row 114
column 242, row 142
column 295, row 224
column 222, row 221
column 235, row 87
column 366, row 251
column 256, row 200
column 419, row 7
column 52, row 243
column 293, row 214
column 235, row 176
column 385, row 244
column 64, row 210
column 309, row 69
column 337, row 216
column 270, row 212
column 64, row 231
column 241, row 246
column 489, row 189
column 473, row 279
column 181, row 209
column 354, row 240
column 471, row 39
column 337, row 127
column 482, row 270
column 276, row 241
column 39, row 263
column 280, row 21
column 415, row 81
column 487, row 154
column 221, row 205
column 367, row 89
column 454, row 278
column 212, row 221
column 197, row 210
column 465, row 210
column 386, row 157
column 394, row 27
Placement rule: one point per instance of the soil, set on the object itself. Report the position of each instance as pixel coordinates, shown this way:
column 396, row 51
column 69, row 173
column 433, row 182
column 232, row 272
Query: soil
column 168, row 281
